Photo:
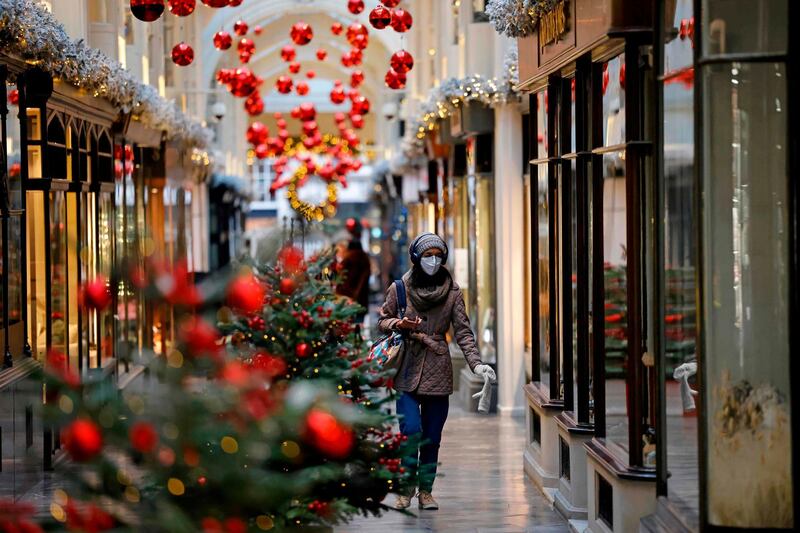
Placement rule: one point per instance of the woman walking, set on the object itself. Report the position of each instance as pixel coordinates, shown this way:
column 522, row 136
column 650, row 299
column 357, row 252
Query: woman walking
column 425, row 378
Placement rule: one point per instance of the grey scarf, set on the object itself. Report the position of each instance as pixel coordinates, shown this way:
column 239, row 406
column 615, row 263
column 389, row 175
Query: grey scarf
column 426, row 298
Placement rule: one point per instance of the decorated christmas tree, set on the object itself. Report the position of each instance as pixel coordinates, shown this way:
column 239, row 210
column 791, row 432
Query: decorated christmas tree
column 266, row 414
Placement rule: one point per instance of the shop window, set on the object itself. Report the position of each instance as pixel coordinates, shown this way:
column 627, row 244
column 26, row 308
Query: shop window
column 13, row 144
column 105, row 258
column 59, row 288
column 36, row 274
column 541, row 125
column 543, row 268
column 740, row 26
column 613, row 89
column 605, row 501
column 12, row 327
column 34, row 155
column 745, row 283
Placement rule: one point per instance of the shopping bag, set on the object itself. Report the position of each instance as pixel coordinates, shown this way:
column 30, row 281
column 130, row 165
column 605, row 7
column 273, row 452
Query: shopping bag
column 388, row 351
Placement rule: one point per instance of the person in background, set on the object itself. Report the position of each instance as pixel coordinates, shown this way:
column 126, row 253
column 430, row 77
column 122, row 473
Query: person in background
column 355, row 269
column 424, row 382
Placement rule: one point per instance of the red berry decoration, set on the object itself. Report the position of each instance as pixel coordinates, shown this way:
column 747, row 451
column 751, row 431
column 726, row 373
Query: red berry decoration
column 257, row 133
column 254, row 105
column 380, row 17
column 284, row 84
column 328, row 435
column 390, row 3
column 301, row 33
column 147, row 10
column 288, row 53
column 13, row 96
column 216, row 3
column 287, row 286
column 401, row 20
column 302, row 350
column 356, row 78
column 246, row 294
column 301, row 88
column 143, row 437
column 336, row 28
column 322, row 54
column 337, row 95
column 294, row 67
column 395, row 80
column 355, row 6
column 310, row 74
column 402, row 61
column 182, row 54
column 222, row 40
column 182, row 8
column 82, row 439
column 240, row 27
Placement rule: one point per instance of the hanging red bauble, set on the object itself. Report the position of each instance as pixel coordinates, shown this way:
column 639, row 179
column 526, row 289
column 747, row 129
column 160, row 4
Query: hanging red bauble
column 302, row 88
column 222, row 40
column 280, row 121
column 337, row 83
column 96, row 294
column 283, row 134
column 13, row 96
column 395, row 80
column 216, row 3
column 355, row 6
column 147, row 10
column 390, row 3
column 143, row 437
column 360, row 105
column 287, row 286
column 284, row 84
column 322, row 54
column 182, row 54
column 82, row 439
column 243, row 82
column 310, row 74
column 357, row 121
column 310, row 127
column 356, row 78
column 182, row 8
column 336, row 28
column 257, row 133
column 288, row 53
column 352, row 94
column 240, row 27
column 258, row 30
column 380, row 17
column 356, row 56
column 246, row 46
column 339, row 117
column 302, row 350
column 401, row 20
column 307, row 111
column 355, row 29
column 254, row 105
column 360, row 41
column 347, row 59
column 337, row 95
column 402, row 61
column 331, row 437
column 622, row 76
column 295, row 112
column 244, row 57
column 294, row 67
column 301, row 33
column 245, row 293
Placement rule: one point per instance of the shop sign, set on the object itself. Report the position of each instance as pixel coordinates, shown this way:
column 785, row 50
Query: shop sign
column 553, row 24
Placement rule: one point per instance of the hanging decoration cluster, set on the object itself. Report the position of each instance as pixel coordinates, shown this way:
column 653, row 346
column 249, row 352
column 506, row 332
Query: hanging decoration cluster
column 388, row 14
column 517, row 18
column 29, row 31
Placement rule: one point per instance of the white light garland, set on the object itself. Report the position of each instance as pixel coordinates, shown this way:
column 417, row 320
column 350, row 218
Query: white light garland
column 29, row 31
column 516, row 18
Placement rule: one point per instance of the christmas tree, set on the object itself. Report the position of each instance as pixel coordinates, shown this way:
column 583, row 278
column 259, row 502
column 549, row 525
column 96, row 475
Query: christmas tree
column 265, row 415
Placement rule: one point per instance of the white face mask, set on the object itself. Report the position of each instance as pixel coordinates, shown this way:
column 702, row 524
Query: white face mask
column 430, row 265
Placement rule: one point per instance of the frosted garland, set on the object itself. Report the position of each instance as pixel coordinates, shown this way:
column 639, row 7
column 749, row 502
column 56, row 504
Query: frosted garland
column 32, row 33
column 453, row 93
column 516, row 18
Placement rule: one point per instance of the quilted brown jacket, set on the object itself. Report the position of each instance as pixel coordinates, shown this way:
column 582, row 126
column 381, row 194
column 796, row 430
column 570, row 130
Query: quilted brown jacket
column 426, row 367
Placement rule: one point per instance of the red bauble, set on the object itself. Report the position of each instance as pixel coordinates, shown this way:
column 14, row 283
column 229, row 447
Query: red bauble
column 307, row 111
column 280, row 122
column 82, row 439
column 243, row 82
column 339, row 117
column 96, row 294
column 355, row 6
column 13, row 96
column 401, row 20
column 182, row 54
column 402, row 61
column 337, row 95
column 347, row 59
column 310, row 74
column 147, row 10
column 295, row 112
column 235, row 3
column 246, row 46
column 356, row 56
column 246, row 294
column 360, row 105
column 380, row 17
column 240, row 27
column 302, row 350
column 336, row 28
column 294, row 67
column 200, row 337
column 310, row 127
column 357, row 121
column 257, row 133
column 254, row 105
column 288, row 53
column 270, row 365
column 258, row 30
column 182, row 8
column 360, row 42
column 395, row 80
column 262, row 151
column 328, row 435
column 322, row 54
column 301, row 33
column 390, row 3
column 222, row 40
column 216, row 3
column 301, row 88
column 354, row 30
column 284, row 84
column 287, row 286
column 356, row 78
column 143, row 437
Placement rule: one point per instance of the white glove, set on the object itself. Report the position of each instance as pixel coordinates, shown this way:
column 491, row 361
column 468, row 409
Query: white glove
column 486, row 370
column 485, row 395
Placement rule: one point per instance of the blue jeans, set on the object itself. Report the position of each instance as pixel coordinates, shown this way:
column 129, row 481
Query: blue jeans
column 422, row 418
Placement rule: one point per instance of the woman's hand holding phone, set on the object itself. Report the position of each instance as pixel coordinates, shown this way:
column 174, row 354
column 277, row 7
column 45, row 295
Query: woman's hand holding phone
column 409, row 324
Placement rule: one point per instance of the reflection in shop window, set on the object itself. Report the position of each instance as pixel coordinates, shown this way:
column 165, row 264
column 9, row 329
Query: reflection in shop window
column 543, row 214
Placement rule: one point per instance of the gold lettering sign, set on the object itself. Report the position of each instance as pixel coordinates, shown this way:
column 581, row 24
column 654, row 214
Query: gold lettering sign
column 552, row 24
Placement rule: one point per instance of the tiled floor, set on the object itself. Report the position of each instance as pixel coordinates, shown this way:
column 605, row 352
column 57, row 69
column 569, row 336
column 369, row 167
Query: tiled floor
column 482, row 488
